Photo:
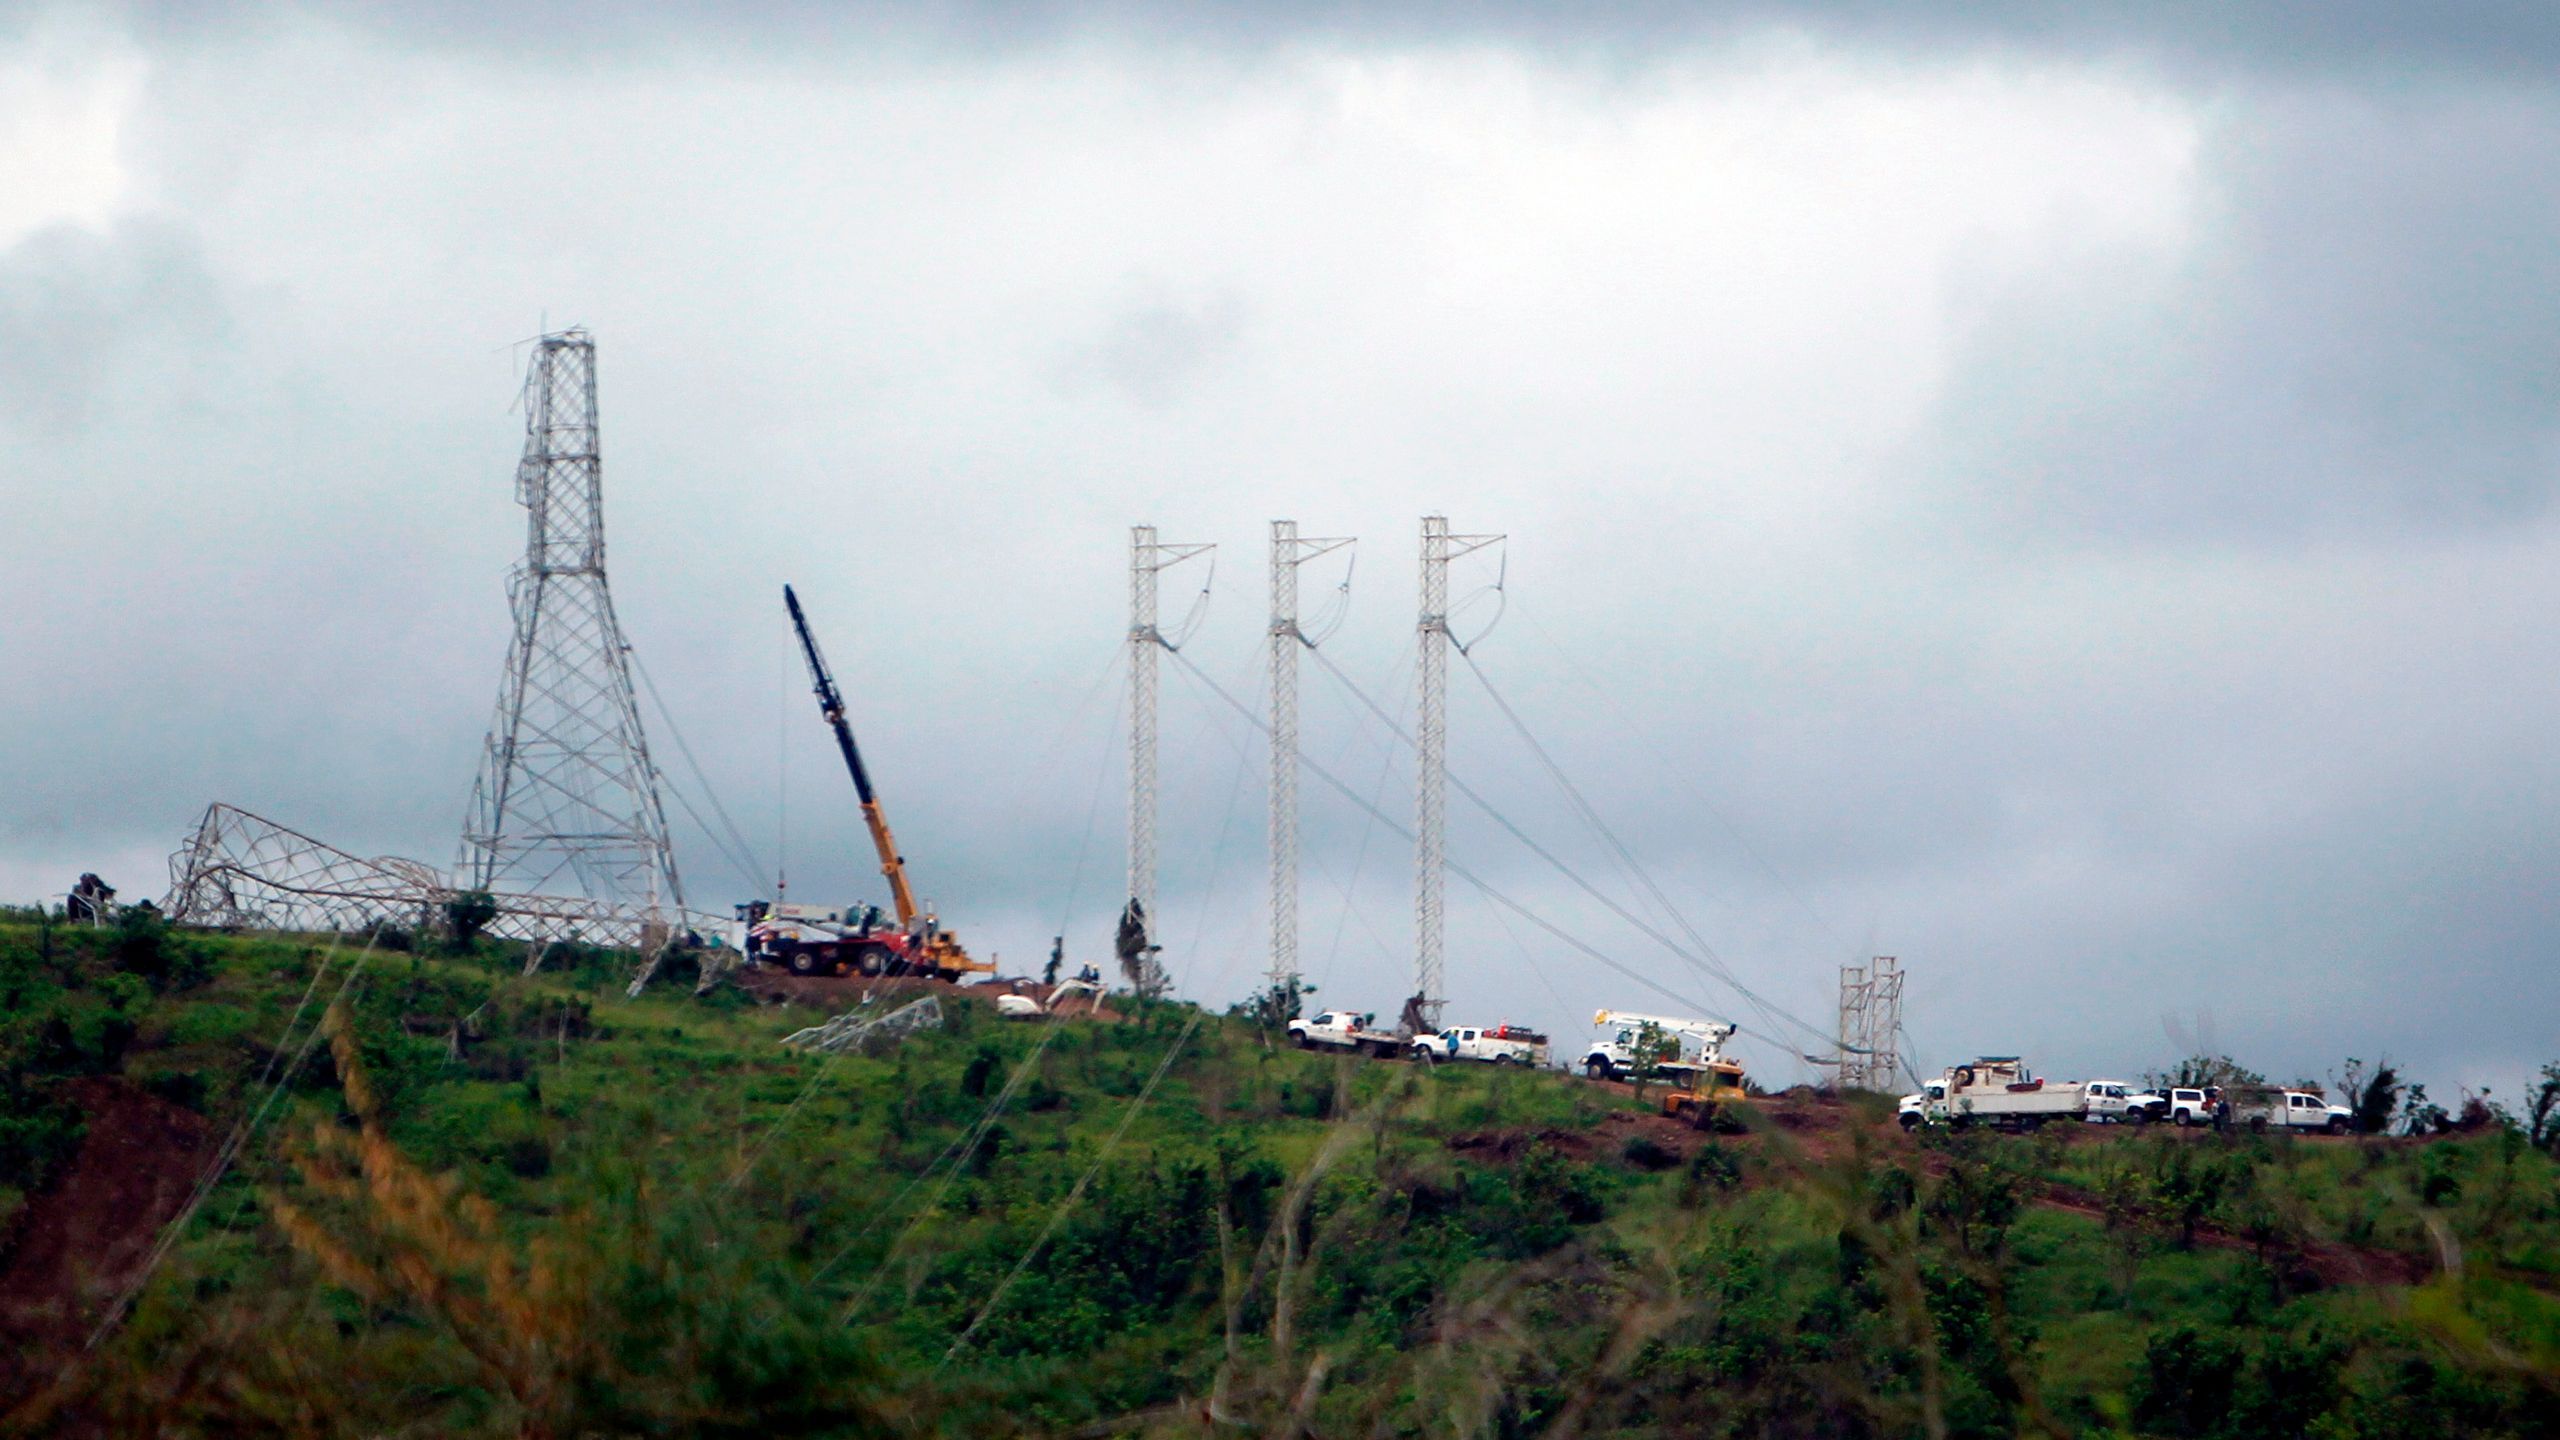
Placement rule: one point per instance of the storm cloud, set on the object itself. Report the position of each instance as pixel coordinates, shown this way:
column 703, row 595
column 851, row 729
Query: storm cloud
column 2062, row 496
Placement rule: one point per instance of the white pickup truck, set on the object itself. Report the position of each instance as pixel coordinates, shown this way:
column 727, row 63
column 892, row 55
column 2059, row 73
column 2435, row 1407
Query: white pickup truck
column 1343, row 1030
column 1994, row 1090
column 1498, row 1045
column 2264, row 1107
column 2114, row 1101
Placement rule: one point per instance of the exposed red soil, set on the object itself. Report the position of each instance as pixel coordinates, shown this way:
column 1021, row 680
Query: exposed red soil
column 80, row 1242
column 1507, row 1144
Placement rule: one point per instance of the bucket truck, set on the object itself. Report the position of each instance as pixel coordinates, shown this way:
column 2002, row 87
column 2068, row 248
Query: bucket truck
column 1700, row 1082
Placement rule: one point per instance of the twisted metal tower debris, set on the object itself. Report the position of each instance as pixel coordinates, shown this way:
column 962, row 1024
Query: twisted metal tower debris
column 1287, row 552
column 566, row 795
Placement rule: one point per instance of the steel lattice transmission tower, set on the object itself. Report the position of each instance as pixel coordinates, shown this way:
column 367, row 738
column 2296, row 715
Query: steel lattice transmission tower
column 1870, row 1024
column 1431, row 762
column 1288, row 551
column 566, row 794
column 1147, row 559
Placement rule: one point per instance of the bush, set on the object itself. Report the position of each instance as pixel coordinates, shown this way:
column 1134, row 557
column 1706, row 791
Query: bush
column 2186, row 1381
column 38, row 1133
column 1713, row 1169
column 1642, row 1152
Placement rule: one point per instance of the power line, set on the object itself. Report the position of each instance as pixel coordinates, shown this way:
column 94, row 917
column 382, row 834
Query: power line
column 1138, row 1102
column 736, row 850
column 1768, row 1010
column 1482, row 887
column 1707, row 966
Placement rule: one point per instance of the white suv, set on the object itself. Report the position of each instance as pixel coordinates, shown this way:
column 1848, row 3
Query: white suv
column 2189, row 1107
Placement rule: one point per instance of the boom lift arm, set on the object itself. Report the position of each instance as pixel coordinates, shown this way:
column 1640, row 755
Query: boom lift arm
column 831, row 704
column 1710, row 1034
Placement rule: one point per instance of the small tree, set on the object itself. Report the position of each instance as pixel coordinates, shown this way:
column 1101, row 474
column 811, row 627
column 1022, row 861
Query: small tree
column 2198, row 1071
column 1275, row 1005
column 2187, row 1184
column 1652, row 1048
column 2422, row 1116
column 2372, row 1097
column 2542, row 1110
column 469, row 913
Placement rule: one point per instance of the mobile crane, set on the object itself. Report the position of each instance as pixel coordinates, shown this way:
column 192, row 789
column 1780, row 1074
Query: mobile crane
column 811, row 939
column 1698, row 1090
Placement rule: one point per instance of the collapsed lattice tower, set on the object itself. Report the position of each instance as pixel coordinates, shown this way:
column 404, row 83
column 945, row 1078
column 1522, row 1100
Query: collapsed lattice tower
column 566, row 795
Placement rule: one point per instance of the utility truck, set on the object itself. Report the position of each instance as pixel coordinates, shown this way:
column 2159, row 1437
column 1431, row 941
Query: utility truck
column 1701, row 1084
column 1497, row 1045
column 1993, row 1090
column 2267, row 1107
column 1345, row 1030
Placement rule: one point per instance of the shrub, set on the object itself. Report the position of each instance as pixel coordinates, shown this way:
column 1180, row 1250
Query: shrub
column 1644, row 1153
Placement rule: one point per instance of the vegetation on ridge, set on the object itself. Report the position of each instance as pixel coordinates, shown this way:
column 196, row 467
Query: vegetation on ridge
column 492, row 1204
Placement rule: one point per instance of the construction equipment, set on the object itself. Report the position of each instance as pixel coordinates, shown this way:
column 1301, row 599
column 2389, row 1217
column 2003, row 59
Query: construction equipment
column 1699, row 1089
column 812, row 940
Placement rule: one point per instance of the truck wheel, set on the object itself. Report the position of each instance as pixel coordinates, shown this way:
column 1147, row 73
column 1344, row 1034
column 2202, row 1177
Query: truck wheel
column 1910, row 1121
column 2185, row 1118
column 1301, row 1041
column 1501, row 1059
column 2337, row 1126
column 871, row 959
column 2257, row 1124
column 2135, row 1117
column 803, row 963
column 2031, row 1123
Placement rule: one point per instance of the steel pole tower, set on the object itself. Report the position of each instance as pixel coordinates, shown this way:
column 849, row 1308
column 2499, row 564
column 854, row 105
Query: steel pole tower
column 1870, row 1024
column 1147, row 559
column 1857, row 993
column 1884, row 1023
column 1287, row 552
column 1431, row 764
column 566, row 792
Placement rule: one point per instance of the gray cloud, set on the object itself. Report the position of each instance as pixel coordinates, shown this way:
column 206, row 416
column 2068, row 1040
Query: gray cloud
column 80, row 311
column 2512, row 40
column 2061, row 496
column 2360, row 345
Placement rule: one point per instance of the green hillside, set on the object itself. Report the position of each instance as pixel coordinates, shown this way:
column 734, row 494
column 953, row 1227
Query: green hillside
column 487, row 1204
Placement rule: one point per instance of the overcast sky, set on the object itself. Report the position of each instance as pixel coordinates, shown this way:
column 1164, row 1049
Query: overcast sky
column 2062, row 497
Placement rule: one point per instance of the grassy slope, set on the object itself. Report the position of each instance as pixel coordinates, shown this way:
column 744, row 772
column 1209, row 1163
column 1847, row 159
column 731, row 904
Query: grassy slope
column 645, row 1216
